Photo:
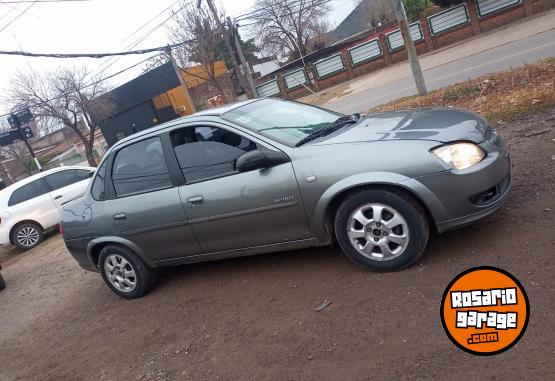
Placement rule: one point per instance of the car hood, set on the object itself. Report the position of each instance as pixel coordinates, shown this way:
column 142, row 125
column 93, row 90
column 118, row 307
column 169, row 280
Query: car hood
column 438, row 124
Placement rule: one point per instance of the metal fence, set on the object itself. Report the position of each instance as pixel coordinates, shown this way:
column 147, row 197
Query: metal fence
column 365, row 51
column 486, row 7
column 295, row 79
column 395, row 39
column 329, row 65
column 447, row 19
column 268, row 89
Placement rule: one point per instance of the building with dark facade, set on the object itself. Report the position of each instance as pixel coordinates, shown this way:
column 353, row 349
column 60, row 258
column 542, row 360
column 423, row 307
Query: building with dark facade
column 134, row 108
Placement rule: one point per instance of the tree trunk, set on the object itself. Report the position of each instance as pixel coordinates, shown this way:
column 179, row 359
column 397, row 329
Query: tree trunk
column 90, row 156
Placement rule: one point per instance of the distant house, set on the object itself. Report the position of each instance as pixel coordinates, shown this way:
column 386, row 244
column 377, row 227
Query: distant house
column 358, row 23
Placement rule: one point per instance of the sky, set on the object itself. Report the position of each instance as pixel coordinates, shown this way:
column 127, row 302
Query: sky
column 96, row 26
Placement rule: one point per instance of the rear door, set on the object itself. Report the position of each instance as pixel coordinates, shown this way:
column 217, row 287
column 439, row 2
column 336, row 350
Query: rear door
column 231, row 210
column 67, row 184
column 32, row 202
column 143, row 203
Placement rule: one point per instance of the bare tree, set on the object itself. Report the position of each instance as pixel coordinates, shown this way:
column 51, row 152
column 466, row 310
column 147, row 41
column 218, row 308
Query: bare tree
column 286, row 27
column 154, row 62
column 197, row 26
column 66, row 96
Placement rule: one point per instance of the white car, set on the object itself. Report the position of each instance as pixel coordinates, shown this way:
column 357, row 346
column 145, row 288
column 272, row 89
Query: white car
column 30, row 206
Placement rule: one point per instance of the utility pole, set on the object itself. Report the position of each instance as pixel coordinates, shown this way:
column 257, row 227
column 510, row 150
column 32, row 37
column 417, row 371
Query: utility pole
column 411, row 50
column 244, row 63
column 24, row 138
column 17, row 119
column 181, row 80
column 226, row 40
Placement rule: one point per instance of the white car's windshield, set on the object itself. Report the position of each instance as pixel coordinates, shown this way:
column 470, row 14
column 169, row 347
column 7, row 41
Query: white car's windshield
column 286, row 122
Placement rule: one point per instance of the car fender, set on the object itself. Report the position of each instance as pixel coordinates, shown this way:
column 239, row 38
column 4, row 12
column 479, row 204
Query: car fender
column 117, row 241
column 412, row 185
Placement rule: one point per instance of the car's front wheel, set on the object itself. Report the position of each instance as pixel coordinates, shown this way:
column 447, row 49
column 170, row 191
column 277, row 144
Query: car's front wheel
column 382, row 230
column 27, row 235
column 125, row 273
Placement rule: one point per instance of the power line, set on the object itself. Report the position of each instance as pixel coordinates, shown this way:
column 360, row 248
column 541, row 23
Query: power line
column 88, row 85
column 43, row 1
column 145, row 35
column 18, row 16
column 92, row 55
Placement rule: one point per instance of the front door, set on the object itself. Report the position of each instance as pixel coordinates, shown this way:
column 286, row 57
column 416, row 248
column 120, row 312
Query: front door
column 145, row 206
column 230, row 210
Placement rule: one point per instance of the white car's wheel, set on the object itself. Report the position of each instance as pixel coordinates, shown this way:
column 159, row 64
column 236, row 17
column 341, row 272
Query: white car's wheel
column 26, row 236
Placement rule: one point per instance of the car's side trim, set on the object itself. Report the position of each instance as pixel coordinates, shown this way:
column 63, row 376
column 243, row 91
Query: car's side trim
column 243, row 212
column 241, row 252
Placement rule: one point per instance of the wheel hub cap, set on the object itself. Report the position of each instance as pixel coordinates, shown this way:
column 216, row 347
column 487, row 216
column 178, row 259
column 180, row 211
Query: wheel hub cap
column 120, row 273
column 28, row 236
column 378, row 231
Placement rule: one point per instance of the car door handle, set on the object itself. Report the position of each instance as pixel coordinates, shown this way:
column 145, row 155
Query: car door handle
column 195, row 200
column 58, row 197
column 120, row 216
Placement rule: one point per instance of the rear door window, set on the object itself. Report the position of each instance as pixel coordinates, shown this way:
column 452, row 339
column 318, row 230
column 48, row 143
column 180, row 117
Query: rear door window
column 140, row 167
column 26, row 192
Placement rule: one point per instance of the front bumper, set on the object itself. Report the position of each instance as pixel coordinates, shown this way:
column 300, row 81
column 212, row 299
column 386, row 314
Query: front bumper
column 465, row 196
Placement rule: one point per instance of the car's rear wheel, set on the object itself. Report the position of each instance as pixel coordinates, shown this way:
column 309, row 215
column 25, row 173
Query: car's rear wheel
column 125, row 273
column 382, row 230
column 27, row 235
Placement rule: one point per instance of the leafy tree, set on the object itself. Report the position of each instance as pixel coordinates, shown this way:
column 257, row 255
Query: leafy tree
column 249, row 48
column 415, row 7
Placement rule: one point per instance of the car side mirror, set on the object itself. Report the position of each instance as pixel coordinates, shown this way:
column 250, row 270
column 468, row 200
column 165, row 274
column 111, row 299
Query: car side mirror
column 257, row 159
column 91, row 173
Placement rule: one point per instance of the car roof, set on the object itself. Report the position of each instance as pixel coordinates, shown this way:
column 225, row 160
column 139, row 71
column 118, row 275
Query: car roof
column 218, row 111
column 10, row 188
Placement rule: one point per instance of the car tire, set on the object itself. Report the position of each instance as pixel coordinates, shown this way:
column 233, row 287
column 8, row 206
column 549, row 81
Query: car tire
column 27, row 235
column 2, row 282
column 125, row 272
column 394, row 224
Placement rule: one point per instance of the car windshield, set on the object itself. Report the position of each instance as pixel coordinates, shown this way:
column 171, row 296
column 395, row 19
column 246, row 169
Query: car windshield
column 285, row 122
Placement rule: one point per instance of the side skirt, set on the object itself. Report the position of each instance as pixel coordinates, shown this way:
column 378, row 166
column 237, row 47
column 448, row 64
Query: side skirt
column 255, row 250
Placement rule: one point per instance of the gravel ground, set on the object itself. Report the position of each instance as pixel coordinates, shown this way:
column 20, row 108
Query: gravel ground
column 255, row 318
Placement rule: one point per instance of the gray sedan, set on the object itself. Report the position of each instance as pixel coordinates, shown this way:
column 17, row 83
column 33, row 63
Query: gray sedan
column 268, row 175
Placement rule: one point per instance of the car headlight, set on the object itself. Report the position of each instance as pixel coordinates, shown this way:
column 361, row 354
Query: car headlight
column 460, row 155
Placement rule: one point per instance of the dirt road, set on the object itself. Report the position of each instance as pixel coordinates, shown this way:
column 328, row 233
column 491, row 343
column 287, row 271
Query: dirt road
column 254, row 318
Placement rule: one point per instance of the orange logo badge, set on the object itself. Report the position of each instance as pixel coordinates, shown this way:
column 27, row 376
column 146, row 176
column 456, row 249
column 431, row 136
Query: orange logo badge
column 485, row 310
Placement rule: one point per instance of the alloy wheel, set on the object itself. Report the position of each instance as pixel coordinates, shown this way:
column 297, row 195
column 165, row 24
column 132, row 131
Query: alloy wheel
column 377, row 231
column 120, row 273
column 28, row 236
